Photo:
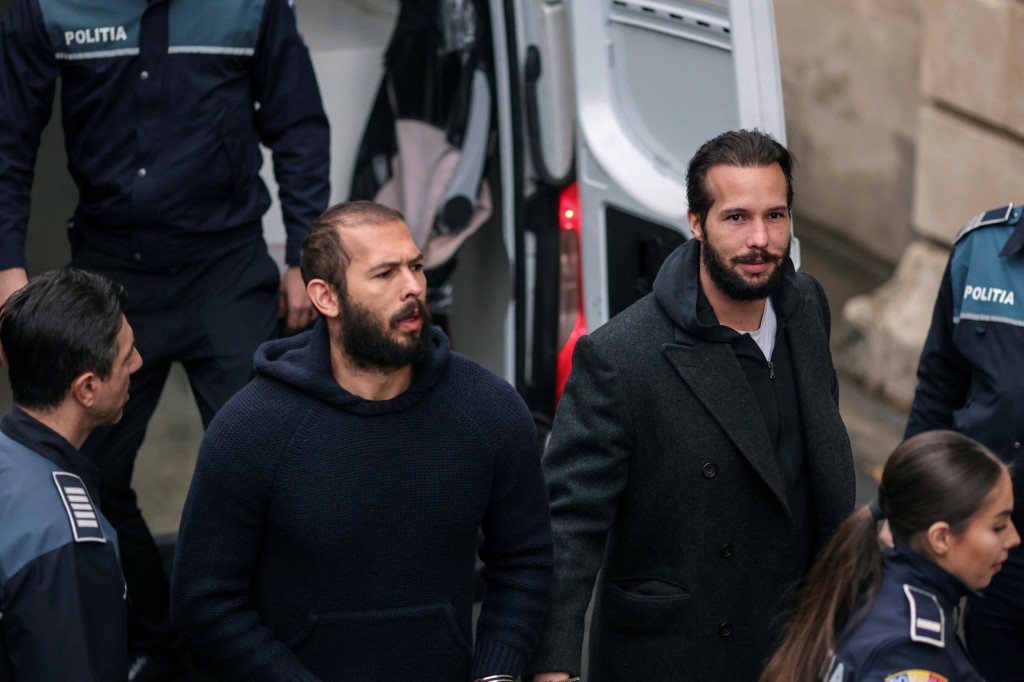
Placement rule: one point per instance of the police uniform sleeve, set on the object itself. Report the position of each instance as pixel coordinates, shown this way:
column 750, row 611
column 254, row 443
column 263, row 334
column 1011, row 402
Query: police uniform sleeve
column 291, row 122
column 943, row 373
column 28, row 74
column 908, row 662
column 63, row 616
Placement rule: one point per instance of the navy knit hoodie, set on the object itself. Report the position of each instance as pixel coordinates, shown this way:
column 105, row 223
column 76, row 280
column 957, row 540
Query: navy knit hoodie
column 330, row 537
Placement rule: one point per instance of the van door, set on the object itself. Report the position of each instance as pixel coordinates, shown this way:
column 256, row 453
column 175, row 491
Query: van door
column 631, row 88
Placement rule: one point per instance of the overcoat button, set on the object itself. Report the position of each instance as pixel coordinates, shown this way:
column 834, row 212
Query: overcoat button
column 710, row 470
column 724, row 630
column 1016, row 445
column 726, row 551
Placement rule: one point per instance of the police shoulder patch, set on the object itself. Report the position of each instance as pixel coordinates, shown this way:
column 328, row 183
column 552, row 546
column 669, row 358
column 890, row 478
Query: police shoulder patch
column 916, row 675
column 85, row 521
column 927, row 620
column 1000, row 215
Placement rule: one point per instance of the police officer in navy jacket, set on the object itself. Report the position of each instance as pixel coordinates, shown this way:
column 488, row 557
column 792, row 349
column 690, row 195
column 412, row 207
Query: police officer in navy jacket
column 944, row 507
column 971, row 380
column 62, row 596
column 164, row 106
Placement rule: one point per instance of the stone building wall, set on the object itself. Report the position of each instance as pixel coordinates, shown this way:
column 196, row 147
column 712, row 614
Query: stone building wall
column 914, row 112
column 851, row 84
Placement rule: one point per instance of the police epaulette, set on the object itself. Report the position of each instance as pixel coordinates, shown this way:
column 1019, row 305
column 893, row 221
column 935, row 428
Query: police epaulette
column 1001, row 215
column 927, row 620
column 85, row 522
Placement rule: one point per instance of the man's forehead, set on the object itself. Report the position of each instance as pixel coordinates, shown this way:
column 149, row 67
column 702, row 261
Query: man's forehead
column 725, row 181
column 367, row 244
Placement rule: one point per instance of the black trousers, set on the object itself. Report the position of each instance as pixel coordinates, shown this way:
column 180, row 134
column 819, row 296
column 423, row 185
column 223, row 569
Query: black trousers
column 210, row 317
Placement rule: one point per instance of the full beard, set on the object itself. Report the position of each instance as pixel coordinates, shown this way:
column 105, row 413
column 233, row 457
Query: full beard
column 732, row 283
column 369, row 343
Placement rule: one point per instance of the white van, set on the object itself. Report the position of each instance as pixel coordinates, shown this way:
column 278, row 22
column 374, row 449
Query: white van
column 594, row 109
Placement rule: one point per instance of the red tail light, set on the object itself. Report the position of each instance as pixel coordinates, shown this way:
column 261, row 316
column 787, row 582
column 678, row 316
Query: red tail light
column 572, row 320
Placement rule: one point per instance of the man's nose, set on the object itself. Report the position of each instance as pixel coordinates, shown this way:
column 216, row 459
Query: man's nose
column 758, row 234
column 414, row 282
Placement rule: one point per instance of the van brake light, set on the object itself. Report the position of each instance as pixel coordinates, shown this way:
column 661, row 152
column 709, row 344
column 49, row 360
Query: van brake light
column 572, row 323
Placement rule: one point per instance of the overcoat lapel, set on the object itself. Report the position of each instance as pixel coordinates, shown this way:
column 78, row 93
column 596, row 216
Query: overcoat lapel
column 805, row 335
column 714, row 376
column 827, row 458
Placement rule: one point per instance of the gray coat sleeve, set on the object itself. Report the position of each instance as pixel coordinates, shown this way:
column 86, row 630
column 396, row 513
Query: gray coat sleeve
column 587, row 468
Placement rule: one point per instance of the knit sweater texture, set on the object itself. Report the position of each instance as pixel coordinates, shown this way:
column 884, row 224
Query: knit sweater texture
column 330, row 537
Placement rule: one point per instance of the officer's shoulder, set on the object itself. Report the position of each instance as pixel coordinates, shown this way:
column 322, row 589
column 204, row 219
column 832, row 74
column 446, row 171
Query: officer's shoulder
column 927, row 623
column 1000, row 216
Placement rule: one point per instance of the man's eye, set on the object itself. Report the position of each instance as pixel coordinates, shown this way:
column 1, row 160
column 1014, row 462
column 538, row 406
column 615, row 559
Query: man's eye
column 416, row 267
column 734, row 218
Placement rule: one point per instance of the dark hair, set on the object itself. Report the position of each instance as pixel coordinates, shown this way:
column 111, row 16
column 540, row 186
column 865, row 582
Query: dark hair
column 323, row 252
column 742, row 148
column 57, row 327
column 933, row 476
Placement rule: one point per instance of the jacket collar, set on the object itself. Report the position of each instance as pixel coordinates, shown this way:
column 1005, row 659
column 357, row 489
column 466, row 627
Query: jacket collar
column 678, row 291
column 25, row 429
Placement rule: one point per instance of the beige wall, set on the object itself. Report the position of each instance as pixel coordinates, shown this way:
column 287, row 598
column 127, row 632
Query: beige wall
column 914, row 112
column 850, row 81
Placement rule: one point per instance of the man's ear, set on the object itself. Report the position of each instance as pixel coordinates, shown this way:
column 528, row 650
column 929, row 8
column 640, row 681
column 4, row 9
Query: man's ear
column 324, row 298
column 84, row 389
column 695, row 228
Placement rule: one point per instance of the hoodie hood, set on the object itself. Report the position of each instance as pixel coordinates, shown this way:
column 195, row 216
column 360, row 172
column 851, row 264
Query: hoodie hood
column 303, row 362
column 677, row 290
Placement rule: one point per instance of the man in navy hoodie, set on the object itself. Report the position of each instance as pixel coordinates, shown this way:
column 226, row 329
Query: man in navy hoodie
column 332, row 524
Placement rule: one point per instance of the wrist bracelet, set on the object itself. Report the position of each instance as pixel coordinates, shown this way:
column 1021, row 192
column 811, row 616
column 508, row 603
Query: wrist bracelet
column 496, row 678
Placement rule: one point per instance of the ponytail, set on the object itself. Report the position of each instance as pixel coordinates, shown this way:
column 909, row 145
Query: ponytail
column 844, row 578
column 933, row 476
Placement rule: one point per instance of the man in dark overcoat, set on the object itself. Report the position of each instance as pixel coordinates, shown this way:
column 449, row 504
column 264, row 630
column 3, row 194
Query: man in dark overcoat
column 698, row 460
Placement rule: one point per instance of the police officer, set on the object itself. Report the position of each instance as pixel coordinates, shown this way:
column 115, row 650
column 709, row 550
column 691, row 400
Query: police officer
column 70, row 353
column 909, row 633
column 164, row 106
column 946, row 501
column 971, row 379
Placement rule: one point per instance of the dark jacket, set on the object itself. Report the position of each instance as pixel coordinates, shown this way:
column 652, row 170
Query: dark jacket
column 330, row 537
column 62, row 595
column 909, row 628
column 661, row 472
column 164, row 105
column 971, row 375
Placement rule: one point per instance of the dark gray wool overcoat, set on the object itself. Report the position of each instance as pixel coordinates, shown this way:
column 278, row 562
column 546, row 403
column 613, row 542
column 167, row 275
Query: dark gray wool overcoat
column 661, row 475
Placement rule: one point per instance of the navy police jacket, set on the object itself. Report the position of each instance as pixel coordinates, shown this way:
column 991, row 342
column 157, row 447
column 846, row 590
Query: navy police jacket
column 971, row 374
column 908, row 633
column 164, row 104
column 62, row 594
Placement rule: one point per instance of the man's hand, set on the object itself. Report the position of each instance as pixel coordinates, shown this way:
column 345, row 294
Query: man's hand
column 553, row 677
column 10, row 281
column 293, row 302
